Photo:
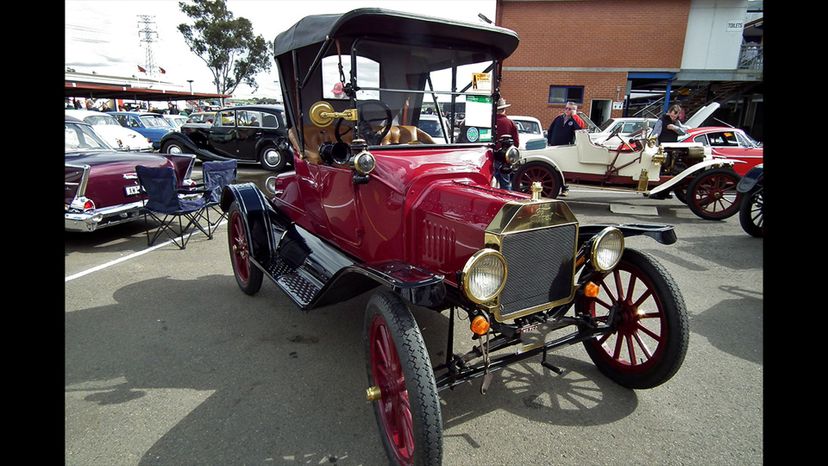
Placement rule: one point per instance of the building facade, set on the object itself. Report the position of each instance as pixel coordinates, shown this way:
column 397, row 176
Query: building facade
column 630, row 57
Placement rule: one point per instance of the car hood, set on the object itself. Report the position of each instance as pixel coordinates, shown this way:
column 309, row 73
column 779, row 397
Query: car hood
column 129, row 138
column 701, row 115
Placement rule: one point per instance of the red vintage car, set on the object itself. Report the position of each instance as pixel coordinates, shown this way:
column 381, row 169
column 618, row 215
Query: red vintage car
column 100, row 184
column 373, row 203
column 729, row 143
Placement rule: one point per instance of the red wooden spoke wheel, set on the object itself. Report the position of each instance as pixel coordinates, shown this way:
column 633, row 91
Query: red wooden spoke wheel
column 408, row 410
column 712, row 194
column 537, row 171
column 643, row 305
column 248, row 276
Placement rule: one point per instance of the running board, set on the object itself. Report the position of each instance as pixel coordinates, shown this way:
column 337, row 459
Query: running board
column 298, row 284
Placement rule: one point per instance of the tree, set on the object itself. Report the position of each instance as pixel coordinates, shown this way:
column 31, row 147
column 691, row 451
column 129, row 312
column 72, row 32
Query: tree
column 226, row 44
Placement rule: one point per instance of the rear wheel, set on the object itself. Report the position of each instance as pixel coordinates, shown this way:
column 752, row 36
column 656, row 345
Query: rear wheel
column 408, row 410
column 643, row 304
column 681, row 192
column 248, row 276
column 537, row 171
column 752, row 214
column 712, row 194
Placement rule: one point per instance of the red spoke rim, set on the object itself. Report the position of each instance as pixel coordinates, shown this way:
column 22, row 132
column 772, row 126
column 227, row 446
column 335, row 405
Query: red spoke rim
column 640, row 338
column 395, row 408
column 546, row 179
column 240, row 251
column 711, row 192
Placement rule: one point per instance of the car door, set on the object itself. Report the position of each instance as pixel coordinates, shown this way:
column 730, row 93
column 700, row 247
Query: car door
column 248, row 133
column 222, row 136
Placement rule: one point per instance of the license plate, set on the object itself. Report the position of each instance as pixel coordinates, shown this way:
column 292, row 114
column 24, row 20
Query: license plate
column 133, row 190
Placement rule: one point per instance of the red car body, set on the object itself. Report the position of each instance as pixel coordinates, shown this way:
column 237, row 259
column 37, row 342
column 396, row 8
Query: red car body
column 729, row 143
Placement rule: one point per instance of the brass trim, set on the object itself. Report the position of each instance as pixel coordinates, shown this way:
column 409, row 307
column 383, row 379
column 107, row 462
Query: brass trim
column 373, row 393
column 322, row 114
column 597, row 240
column 471, row 262
column 526, row 215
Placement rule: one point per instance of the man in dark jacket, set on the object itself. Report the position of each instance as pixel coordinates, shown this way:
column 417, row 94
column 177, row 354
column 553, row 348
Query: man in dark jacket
column 563, row 127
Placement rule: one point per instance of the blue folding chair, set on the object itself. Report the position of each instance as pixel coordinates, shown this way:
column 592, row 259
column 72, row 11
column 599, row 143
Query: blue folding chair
column 217, row 175
column 166, row 203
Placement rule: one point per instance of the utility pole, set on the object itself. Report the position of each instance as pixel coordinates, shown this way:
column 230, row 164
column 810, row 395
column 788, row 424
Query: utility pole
column 147, row 34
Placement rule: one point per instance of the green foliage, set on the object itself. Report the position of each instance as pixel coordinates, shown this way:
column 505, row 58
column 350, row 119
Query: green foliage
column 226, row 44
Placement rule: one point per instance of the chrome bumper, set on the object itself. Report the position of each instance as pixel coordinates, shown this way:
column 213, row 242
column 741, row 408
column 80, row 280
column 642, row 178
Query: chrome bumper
column 100, row 218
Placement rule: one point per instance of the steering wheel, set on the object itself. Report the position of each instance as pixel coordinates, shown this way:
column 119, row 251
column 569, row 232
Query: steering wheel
column 366, row 125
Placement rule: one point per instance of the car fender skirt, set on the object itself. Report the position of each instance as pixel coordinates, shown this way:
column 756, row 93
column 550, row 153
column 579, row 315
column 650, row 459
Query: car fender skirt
column 664, row 234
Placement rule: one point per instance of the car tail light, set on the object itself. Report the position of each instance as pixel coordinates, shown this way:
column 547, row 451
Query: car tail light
column 88, row 205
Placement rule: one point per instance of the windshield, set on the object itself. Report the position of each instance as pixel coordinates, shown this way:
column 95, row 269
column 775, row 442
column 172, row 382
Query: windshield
column 101, row 120
column 606, row 125
column 81, row 137
column 151, row 121
column 399, row 83
column 528, row 127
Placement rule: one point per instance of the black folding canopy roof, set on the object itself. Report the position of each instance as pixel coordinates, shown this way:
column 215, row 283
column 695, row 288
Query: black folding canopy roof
column 378, row 23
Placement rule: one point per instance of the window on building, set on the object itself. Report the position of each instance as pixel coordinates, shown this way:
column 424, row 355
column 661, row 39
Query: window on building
column 564, row 94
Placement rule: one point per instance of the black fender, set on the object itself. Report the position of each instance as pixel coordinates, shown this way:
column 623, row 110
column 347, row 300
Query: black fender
column 260, row 220
column 180, row 138
column 192, row 147
column 342, row 277
column 664, row 234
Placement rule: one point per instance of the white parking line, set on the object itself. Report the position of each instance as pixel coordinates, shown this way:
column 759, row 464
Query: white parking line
column 122, row 259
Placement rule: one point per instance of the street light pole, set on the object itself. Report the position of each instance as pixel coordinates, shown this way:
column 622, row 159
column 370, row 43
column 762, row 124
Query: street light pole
column 191, row 85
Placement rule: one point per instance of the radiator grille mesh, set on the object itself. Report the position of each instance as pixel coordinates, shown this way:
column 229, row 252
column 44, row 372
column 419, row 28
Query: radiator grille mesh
column 540, row 267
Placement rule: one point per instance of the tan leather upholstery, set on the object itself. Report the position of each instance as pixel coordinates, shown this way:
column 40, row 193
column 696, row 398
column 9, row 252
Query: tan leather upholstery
column 406, row 134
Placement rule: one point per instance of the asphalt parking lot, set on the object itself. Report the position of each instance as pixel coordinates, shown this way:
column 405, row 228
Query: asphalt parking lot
column 168, row 362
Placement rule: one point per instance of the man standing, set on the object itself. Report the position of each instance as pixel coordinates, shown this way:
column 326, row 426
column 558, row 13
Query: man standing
column 504, row 126
column 563, row 127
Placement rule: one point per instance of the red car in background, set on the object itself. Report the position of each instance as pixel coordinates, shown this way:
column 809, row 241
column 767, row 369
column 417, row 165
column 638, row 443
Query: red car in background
column 729, row 143
column 100, row 185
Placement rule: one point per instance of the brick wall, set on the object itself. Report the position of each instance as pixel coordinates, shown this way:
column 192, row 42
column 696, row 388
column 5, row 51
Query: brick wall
column 628, row 34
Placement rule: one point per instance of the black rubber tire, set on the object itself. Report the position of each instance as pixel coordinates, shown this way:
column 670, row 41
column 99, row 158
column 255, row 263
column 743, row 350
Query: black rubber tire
column 698, row 193
column 266, row 155
column 537, row 171
column 752, row 213
column 248, row 276
column 392, row 314
column 664, row 303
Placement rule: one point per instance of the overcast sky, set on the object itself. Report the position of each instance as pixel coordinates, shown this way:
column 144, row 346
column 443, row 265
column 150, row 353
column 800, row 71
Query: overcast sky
column 102, row 35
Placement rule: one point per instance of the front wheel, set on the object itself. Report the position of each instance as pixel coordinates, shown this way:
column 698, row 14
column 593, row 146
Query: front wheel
column 650, row 330
column 712, row 194
column 172, row 147
column 408, row 411
column 271, row 158
column 537, row 171
column 752, row 214
column 248, row 276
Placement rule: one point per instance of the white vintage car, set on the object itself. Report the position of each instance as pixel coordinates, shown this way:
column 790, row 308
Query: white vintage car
column 529, row 129
column 688, row 170
column 108, row 128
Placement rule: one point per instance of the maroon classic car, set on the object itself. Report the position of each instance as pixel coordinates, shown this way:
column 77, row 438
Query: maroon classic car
column 374, row 203
column 101, row 187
